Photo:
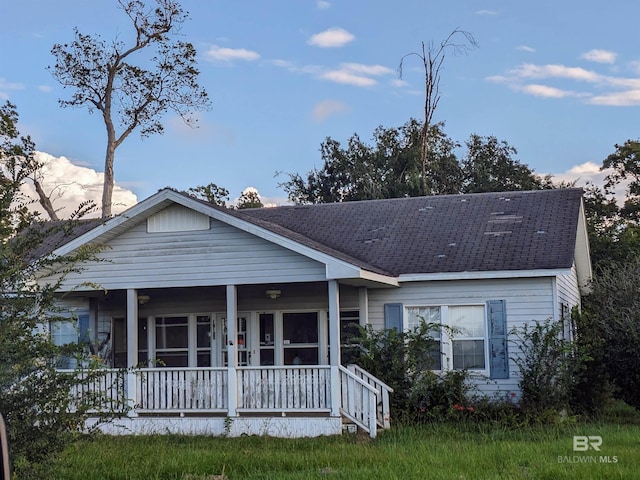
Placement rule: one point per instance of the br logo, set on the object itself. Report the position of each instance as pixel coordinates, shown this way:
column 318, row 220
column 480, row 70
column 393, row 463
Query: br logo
column 582, row 443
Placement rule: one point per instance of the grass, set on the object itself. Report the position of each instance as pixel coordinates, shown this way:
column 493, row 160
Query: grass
column 438, row 451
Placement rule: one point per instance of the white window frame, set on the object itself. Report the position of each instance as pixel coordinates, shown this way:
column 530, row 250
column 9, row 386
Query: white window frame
column 446, row 340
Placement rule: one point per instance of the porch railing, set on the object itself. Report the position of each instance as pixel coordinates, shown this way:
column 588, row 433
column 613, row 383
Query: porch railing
column 358, row 401
column 383, row 408
column 282, row 389
column 175, row 390
column 109, row 383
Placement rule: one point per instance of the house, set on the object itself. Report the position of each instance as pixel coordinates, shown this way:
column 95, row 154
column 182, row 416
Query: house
column 175, row 269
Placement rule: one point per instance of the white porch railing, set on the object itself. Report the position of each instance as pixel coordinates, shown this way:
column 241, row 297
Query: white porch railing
column 110, row 382
column 383, row 407
column 175, row 390
column 282, row 389
column 363, row 398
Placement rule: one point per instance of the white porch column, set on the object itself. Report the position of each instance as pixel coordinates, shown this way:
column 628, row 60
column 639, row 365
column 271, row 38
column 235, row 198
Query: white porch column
column 363, row 306
column 132, row 346
column 334, row 345
column 232, row 353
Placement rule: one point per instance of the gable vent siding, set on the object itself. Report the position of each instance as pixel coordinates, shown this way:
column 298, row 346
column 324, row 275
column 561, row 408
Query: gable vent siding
column 393, row 316
column 498, row 350
column 177, row 219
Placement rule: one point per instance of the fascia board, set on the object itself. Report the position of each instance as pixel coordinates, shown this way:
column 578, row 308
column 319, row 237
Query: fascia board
column 425, row 277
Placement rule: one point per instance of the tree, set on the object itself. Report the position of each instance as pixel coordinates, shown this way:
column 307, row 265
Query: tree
column 129, row 95
column 432, row 60
column 389, row 168
column 250, row 198
column 18, row 157
column 489, row 166
column 612, row 316
column 211, row 193
column 36, row 399
column 625, row 162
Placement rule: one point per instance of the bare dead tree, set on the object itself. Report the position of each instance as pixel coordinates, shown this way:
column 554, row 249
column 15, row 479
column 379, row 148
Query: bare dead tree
column 433, row 56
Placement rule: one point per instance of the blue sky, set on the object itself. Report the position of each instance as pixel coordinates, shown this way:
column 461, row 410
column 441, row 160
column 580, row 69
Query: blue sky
column 558, row 80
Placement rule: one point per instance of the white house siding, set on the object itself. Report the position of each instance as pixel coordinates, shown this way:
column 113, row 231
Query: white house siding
column 568, row 297
column 527, row 299
column 221, row 255
column 568, row 293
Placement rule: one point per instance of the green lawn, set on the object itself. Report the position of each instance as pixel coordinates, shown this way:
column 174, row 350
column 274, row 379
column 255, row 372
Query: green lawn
column 442, row 451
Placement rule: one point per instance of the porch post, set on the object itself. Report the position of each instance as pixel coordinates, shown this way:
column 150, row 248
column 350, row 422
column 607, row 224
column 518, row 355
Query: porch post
column 363, row 305
column 334, row 345
column 232, row 355
column 132, row 346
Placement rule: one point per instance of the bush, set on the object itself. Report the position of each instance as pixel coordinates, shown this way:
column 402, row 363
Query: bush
column 548, row 368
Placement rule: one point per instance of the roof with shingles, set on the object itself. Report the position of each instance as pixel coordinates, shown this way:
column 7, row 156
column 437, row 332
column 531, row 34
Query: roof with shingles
column 484, row 232
column 440, row 234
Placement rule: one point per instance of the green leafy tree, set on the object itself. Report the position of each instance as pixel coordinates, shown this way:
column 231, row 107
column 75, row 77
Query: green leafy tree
column 490, row 166
column 612, row 324
column 389, row 168
column 625, row 162
column 132, row 91
column 37, row 401
column 211, row 193
column 250, row 198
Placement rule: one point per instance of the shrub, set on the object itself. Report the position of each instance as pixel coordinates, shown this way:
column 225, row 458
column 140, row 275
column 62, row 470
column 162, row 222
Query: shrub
column 548, row 367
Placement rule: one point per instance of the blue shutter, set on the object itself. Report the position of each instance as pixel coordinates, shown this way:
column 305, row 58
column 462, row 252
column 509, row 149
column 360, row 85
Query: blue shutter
column 393, row 316
column 498, row 351
column 83, row 328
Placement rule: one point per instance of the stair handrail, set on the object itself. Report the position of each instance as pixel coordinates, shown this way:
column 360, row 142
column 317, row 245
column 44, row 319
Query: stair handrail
column 371, row 421
column 383, row 405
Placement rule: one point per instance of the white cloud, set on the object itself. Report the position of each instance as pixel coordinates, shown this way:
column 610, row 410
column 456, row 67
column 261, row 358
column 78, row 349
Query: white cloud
column 589, row 173
column 326, row 108
column 6, row 86
column 331, row 38
column 525, row 48
column 619, row 99
column 323, row 4
column 600, row 56
column 486, row 12
column 356, row 74
column 224, row 54
column 45, row 88
column 546, row 91
column 606, row 90
column 70, row 185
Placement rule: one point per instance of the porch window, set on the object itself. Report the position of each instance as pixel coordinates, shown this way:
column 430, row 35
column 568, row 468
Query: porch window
column 119, row 344
column 172, row 341
column 205, row 336
column 300, row 338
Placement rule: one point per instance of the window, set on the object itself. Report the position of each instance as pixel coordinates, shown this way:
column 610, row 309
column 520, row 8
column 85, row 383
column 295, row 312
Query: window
column 463, row 344
column 172, row 341
column 468, row 335
column 300, row 338
column 429, row 315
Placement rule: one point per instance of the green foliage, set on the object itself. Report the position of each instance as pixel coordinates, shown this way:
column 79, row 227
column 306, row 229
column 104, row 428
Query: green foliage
column 611, row 327
column 132, row 84
column 249, row 199
column 548, row 367
column 403, row 360
column 211, row 193
column 37, row 401
column 435, row 451
column 392, row 167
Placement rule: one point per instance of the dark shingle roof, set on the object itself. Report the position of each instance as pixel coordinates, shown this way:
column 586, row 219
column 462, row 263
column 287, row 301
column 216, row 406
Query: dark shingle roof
column 440, row 234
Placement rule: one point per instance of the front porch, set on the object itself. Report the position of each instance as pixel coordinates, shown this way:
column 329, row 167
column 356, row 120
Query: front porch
column 280, row 401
